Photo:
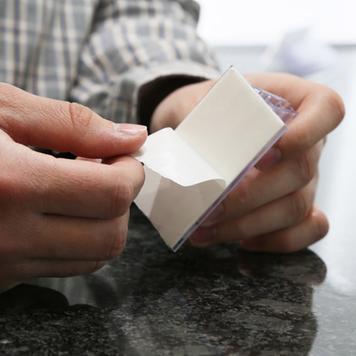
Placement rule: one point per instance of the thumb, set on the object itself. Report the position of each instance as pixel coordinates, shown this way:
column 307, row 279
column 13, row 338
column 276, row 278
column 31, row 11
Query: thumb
column 63, row 126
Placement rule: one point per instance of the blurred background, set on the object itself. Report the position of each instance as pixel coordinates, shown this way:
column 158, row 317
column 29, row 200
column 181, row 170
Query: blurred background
column 317, row 40
column 253, row 22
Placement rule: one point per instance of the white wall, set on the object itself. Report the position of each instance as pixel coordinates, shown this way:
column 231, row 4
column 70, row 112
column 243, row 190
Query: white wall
column 237, row 22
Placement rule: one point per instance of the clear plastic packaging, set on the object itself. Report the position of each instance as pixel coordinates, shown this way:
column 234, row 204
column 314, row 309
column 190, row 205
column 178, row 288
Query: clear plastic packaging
column 278, row 104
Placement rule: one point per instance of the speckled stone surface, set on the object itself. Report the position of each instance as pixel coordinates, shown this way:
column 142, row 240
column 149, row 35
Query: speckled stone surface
column 216, row 301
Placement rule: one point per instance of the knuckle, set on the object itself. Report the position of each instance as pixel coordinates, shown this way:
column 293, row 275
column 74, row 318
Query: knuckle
column 321, row 225
column 121, row 198
column 334, row 100
column 80, row 116
column 339, row 105
column 305, row 168
column 298, row 207
column 7, row 91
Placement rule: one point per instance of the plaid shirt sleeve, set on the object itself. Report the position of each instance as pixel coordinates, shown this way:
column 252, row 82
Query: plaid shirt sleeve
column 138, row 44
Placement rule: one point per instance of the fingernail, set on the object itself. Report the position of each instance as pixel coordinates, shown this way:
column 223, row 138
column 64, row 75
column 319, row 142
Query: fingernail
column 130, row 129
column 272, row 157
column 201, row 237
column 214, row 217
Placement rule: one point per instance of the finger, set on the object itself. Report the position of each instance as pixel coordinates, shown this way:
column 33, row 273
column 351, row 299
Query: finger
column 311, row 230
column 277, row 215
column 318, row 116
column 293, row 88
column 54, row 268
column 63, row 126
column 320, row 109
column 88, row 189
column 285, row 85
column 260, row 188
column 78, row 239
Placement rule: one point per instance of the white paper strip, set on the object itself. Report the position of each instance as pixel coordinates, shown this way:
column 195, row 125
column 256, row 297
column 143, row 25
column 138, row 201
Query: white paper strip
column 177, row 161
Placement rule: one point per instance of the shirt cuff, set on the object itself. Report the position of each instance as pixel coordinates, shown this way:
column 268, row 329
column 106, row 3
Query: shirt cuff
column 142, row 89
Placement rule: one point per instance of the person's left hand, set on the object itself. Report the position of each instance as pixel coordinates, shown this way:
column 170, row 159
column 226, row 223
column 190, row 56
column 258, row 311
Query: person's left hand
column 273, row 208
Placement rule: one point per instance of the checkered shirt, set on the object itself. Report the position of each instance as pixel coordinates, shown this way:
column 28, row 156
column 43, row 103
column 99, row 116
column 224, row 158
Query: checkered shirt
column 102, row 52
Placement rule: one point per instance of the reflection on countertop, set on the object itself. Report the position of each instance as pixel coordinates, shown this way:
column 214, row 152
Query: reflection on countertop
column 216, row 301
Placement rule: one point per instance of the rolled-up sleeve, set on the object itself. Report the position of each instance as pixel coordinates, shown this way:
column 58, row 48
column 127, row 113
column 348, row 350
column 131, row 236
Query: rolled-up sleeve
column 139, row 51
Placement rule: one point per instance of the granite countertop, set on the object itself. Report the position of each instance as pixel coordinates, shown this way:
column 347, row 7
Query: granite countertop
column 216, row 301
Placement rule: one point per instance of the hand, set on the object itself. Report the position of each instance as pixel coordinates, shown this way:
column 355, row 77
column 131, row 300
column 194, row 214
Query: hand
column 273, row 208
column 62, row 217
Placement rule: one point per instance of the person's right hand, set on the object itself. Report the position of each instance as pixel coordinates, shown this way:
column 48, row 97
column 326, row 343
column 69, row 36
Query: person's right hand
column 62, row 217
